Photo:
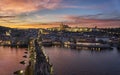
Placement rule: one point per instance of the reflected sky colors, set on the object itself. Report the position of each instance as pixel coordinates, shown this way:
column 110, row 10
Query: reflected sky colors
column 73, row 12
column 10, row 59
column 84, row 62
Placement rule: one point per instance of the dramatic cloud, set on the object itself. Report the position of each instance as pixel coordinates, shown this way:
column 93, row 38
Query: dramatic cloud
column 48, row 11
column 99, row 18
column 11, row 7
column 23, row 6
column 92, row 7
column 7, row 16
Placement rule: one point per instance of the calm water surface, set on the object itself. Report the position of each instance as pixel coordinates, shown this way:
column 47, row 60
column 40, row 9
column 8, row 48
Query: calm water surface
column 9, row 60
column 84, row 62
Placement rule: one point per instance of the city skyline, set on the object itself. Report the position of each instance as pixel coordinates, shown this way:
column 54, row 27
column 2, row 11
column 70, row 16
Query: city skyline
column 50, row 13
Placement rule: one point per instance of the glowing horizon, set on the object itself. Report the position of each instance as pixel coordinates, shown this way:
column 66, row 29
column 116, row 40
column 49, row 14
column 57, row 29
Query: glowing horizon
column 85, row 13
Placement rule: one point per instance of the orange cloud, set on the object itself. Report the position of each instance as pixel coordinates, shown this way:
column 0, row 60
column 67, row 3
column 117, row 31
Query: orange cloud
column 11, row 7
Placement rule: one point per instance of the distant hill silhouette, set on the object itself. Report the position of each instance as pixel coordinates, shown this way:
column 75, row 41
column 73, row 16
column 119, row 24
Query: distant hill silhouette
column 4, row 29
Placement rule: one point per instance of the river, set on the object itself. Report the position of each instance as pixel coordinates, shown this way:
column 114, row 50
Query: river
column 84, row 62
column 10, row 59
column 65, row 61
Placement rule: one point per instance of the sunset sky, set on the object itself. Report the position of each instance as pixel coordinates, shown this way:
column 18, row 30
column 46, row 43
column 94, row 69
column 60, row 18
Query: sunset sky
column 47, row 13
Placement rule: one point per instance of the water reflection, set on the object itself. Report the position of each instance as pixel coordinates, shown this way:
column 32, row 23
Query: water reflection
column 9, row 60
column 84, row 62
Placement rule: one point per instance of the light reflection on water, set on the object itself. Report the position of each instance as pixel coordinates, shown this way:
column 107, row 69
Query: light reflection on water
column 9, row 60
column 84, row 62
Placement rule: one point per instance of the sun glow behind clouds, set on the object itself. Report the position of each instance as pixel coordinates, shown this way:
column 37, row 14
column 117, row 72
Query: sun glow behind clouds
column 31, row 26
column 26, row 13
column 71, row 24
